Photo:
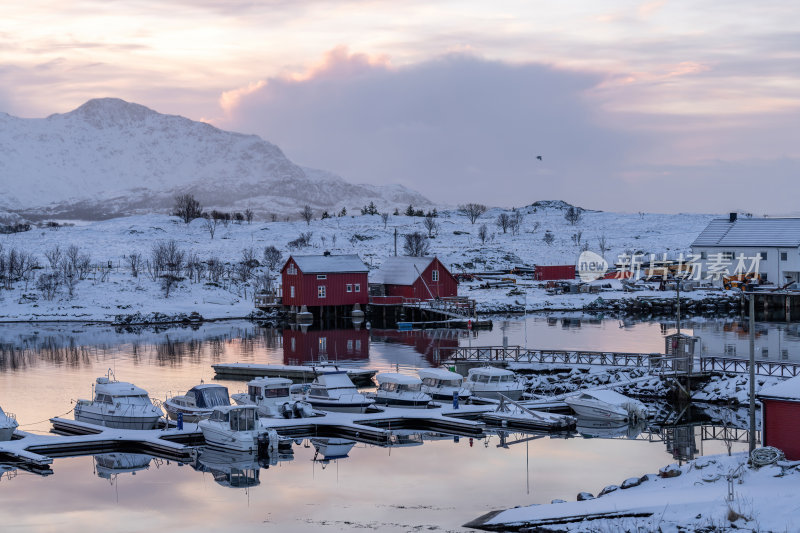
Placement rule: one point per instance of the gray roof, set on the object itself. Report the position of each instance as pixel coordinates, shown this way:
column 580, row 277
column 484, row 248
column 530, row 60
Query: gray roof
column 321, row 264
column 400, row 270
column 755, row 232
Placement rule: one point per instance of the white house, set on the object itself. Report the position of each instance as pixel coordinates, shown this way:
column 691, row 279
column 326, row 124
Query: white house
column 776, row 240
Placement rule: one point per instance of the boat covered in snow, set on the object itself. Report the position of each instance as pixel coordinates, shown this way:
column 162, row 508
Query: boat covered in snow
column 492, row 382
column 274, row 399
column 442, row 384
column 400, row 390
column 333, row 391
column 233, row 427
column 118, row 405
column 198, row 403
column 605, row 404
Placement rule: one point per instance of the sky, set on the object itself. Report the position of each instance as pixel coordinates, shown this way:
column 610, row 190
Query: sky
column 668, row 106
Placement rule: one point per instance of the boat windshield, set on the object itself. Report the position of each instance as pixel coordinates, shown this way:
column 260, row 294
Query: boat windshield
column 320, row 393
column 276, row 393
column 212, row 397
column 449, row 383
column 139, row 399
column 243, row 420
column 413, row 387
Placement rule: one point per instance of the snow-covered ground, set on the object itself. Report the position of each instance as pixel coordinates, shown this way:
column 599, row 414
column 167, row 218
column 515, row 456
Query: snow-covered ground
column 456, row 243
column 693, row 497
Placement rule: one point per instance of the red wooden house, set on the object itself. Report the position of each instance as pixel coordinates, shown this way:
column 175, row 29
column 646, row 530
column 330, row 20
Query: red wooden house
column 324, row 280
column 425, row 278
column 780, row 411
column 324, row 345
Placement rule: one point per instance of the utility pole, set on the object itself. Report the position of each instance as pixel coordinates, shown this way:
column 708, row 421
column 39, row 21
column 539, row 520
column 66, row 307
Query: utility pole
column 752, row 410
column 395, row 242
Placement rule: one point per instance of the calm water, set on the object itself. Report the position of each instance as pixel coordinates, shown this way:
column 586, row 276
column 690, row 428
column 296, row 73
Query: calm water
column 440, row 483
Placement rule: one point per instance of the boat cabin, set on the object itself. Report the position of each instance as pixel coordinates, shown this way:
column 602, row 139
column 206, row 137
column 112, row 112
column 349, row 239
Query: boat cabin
column 440, row 377
column 205, row 397
column 490, row 374
column 119, row 392
column 391, row 382
column 238, row 417
column 268, row 388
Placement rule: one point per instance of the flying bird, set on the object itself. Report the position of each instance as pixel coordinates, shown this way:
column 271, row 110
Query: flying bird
column 539, row 157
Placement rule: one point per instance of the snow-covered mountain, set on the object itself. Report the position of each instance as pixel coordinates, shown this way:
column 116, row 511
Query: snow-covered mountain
column 110, row 157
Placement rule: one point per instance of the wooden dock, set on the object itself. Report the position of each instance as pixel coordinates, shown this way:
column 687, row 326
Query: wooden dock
column 297, row 373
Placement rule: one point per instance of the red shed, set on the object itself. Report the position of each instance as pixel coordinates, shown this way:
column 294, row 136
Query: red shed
column 780, row 411
column 326, row 344
column 324, row 280
column 553, row 272
column 425, row 278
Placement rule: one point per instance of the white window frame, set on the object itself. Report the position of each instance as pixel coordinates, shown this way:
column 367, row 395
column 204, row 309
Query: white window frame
column 763, row 255
column 291, row 270
column 349, row 287
column 434, row 275
column 726, row 256
column 322, row 291
column 291, row 291
column 358, row 287
column 322, row 276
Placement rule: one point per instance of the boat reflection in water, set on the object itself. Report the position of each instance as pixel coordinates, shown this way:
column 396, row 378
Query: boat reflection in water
column 328, row 450
column 229, row 468
column 591, row 428
column 110, row 465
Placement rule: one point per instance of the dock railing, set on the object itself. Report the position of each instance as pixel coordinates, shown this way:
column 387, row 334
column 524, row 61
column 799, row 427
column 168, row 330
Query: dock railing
column 741, row 366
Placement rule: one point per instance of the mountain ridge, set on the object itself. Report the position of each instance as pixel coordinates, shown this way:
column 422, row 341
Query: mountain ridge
column 109, row 157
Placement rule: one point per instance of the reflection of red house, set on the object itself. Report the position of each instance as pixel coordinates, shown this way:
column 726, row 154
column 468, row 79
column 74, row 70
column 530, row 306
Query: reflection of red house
column 324, row 280
column 424, row 341
column 330, row 344
column 425, row 278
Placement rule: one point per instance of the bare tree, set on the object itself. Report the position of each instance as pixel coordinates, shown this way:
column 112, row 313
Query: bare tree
column 430, row 225
column 416, row 244
column 573, row 215
column 535, row 226
column 70, row 276
column 248, row 215
column 53, row 256
column 602, row 245
column 516, row 222
column 134, row 262
column 48, row 285
column 548, row 238
column 503, row 221
column 210, row 225
column 307, row 214
column 302, row 241
column 272, row 258
column 187, row 208
column 216, row 269
column 483, row 233
column 472, row 211
column 385, row 219
column 273, row 217
column 576, row 237
column 168, row 281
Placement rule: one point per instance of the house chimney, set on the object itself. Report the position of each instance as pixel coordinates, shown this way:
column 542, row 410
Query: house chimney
column 733, row 217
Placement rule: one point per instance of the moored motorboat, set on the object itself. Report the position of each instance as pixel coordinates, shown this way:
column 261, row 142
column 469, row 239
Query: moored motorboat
column 8, row 424
column 274, row 399
column 198, row 402
column 329, row 449
column 233, row 427
column 605, row 404
column 333, row 391
column 492, row 382
column 400, row 390
column 442, row 384
column 109, row 465
column 119, row 405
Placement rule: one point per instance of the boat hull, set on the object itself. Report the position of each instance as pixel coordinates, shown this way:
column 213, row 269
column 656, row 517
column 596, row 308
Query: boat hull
column 6, row 433
column 400, row 402
column 189, row 415
column 340, row 407
column 241, row 441
column 108, row 420
column 495, row 394
column 598, row 412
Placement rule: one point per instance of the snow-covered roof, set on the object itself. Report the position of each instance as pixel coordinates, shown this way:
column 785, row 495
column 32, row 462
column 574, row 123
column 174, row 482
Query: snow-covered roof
column 438, row 373
column 490, row 371
column 321, row 264
column 785, row 390
column 118, row 388
column 400, row 270
column 400, row 379
column 269, row 382
column 774, row 232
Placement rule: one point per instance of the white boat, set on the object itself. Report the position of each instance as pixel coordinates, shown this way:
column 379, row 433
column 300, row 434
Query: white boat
column 109, row 465
column 491, row 382
column 274, row 399
column 333, row 391
column 605, row 404
column 233, row 427
column 442, row 384
column 591, row 428
column 234, row 469
column 8, row 424
column 118, row 405
column 197, row 403
column 330, row 449
column 400, row 390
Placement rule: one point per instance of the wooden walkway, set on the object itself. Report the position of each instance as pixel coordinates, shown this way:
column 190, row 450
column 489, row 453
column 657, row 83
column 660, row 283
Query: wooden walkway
column 653, row 362
column 458, row 307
